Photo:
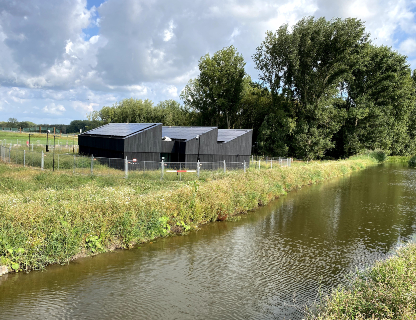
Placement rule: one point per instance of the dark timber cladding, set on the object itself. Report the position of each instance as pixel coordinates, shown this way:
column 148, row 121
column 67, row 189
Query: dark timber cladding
column 141, row 141
column 151, row 142
column 207, row 144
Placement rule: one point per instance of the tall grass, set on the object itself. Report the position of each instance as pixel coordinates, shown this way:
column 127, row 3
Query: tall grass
column 385, row 291
column 50, row 217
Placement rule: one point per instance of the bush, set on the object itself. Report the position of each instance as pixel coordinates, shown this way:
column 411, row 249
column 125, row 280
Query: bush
column 412, row 162
column 379, row 155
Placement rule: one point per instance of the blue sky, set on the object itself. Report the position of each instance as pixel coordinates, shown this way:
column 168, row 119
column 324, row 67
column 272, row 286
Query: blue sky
column 63, row 59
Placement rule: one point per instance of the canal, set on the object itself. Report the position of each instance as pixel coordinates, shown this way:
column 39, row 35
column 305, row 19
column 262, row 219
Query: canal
column 270, row 264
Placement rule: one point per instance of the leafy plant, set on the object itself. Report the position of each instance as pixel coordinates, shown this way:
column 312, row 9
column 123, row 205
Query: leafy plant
column 412, row 162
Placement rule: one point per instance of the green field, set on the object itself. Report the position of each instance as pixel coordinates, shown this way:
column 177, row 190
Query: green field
column 36, row 138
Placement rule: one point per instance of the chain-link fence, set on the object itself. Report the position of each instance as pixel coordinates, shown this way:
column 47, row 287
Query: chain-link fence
column 90, row 165
column 37, row 145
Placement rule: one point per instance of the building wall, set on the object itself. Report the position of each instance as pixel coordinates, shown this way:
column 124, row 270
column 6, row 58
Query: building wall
column 102, row 143
column 238, row 146
column 149, row 140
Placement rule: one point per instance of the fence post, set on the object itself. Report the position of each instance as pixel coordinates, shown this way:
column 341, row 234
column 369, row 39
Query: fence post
column 92, row 164
column 126, row 168
column 197, row 169
column 24, row 158
column 244, row 166
column 42, row 161
column 163, row 169
column 224, row 167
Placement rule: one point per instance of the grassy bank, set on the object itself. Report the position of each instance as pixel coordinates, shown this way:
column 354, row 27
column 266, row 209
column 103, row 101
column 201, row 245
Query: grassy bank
column 385, row 291
column 50, row 218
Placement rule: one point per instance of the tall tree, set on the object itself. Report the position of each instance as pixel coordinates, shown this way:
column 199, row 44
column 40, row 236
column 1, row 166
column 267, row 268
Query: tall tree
column 216, row 92
column 380, row 103
column 305, row 66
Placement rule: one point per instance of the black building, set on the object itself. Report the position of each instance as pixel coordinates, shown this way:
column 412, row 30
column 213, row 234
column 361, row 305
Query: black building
column 151, row 142
column 141, row 141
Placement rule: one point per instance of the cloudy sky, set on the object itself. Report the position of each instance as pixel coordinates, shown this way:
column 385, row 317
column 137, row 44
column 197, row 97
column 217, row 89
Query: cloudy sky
column 62, row 59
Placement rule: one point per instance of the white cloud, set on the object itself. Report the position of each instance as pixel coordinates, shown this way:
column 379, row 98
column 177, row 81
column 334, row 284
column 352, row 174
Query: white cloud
column 84, row 107
column 171, row 91
column 54, row 109
column 408, row 47
column 150, row 49
column 168, row 33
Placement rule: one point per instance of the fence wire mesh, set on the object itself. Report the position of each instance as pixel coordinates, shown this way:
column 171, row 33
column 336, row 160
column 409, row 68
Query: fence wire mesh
column 59, row 160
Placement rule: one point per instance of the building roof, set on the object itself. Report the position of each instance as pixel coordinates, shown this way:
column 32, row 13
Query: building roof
column 184, row 133
column 225, row 135
column 120, row 129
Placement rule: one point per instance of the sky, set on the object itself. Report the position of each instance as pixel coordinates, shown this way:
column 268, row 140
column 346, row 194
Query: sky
column 60, row 60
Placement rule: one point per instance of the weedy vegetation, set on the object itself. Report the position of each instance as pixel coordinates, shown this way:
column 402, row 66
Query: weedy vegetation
column 51, row 217
column 385, row 291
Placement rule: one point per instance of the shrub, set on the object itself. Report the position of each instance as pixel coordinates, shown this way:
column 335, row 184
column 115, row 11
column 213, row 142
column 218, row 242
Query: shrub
column 412, row 162
column 379, row 155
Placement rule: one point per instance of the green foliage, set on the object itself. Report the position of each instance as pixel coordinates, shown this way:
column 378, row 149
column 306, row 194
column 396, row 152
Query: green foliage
column 334, row 93
column 305, row 67
column 380, row 103
column 216, row 92
column 94, row 244
column 379, row 155
column 168, row 112
column 412, row 162
column 385, row 291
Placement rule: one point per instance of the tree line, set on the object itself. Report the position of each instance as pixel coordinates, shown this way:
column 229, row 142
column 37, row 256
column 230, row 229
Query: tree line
column 324, row 90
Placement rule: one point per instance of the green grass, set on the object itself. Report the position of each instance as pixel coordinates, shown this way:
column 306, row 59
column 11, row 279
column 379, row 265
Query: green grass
column 15, row 137
column 51, row 217
column 385, row 291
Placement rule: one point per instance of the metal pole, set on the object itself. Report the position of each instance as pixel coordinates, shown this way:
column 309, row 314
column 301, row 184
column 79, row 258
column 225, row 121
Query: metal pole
column 92, row 163
column 180, row 173
column 224, row 167
column 53, row 160
column 41, row 161
column 197, row 169
column 24, row 158
column 163, row 169
column 244, row 166
column 126, row 172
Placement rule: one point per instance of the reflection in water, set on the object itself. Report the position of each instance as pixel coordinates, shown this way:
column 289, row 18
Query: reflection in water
column 267, row 265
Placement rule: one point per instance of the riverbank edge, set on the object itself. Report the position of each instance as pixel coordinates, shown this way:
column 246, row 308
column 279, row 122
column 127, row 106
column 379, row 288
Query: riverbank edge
column 386, row 290
column 82, row 227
